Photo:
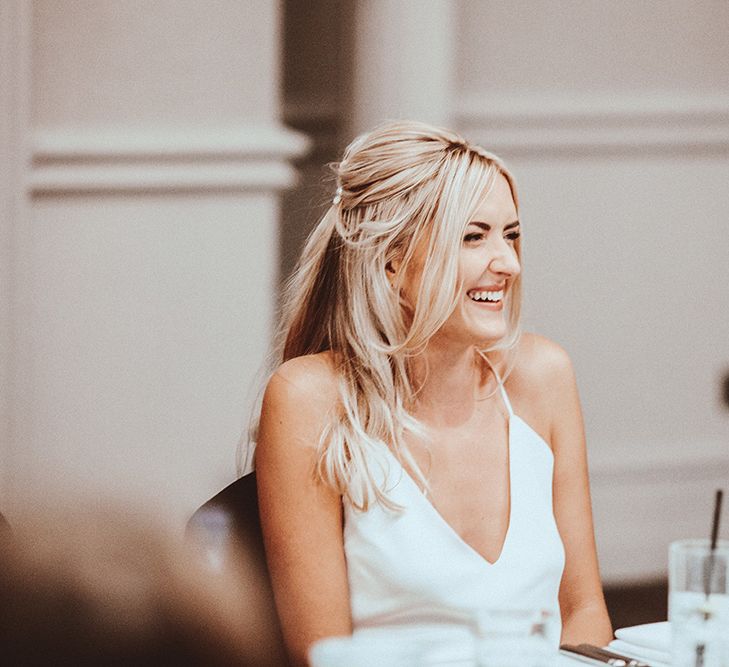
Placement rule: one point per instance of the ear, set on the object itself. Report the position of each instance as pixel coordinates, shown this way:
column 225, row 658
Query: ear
column 391, row 268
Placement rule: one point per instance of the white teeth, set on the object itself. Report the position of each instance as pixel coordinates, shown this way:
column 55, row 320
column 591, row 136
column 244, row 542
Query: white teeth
column 487, row 296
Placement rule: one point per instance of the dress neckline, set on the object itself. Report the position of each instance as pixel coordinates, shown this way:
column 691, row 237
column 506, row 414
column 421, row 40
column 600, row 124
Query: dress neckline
column 511, row 419
column 440, row 519
column 446, row 526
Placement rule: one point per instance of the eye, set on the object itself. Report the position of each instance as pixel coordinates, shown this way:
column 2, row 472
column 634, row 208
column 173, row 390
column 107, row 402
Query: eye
column 513, row 236
column 474, row 236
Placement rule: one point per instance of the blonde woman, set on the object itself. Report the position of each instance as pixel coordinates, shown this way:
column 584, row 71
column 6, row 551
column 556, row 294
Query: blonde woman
column 419, row 460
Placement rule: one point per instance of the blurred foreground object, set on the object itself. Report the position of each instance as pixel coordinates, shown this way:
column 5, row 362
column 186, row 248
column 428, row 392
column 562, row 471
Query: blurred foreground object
column 106, row 590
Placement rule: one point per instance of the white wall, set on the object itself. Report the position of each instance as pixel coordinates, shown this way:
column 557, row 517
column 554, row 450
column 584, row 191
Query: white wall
column 164, row 63
column 615, row 120
column 534, row 47
column 14, row 39
column 145, row 270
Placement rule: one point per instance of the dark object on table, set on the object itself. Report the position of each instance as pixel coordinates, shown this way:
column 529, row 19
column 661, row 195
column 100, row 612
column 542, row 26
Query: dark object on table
column 600, row 656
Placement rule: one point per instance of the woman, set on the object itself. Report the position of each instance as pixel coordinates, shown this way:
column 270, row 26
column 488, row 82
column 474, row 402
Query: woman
column 418, row 459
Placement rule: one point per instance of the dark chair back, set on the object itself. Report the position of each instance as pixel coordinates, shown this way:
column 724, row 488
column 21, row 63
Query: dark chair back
column 231, row 516
column 239, row 502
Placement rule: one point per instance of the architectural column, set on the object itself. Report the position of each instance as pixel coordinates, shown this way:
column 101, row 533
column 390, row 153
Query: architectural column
column 404, row 61
column 147, row 270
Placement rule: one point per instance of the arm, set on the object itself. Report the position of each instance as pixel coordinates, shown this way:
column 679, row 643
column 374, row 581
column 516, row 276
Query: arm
column 584, row 614
column 300, row 517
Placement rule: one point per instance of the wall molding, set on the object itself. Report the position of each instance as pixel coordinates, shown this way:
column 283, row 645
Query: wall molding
column 122, row 159
column 595, row 124
column 646, row 494
column 663, row 459
column 636, row 522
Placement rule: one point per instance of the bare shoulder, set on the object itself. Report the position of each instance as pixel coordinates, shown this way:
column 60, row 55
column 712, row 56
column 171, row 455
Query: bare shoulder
column 299, row 399
column 541, row 383
column 539, row 359
column 313, row 376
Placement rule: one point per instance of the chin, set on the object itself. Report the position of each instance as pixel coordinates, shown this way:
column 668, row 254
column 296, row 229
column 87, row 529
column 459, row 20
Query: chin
column 472, row 332
column 484, row 336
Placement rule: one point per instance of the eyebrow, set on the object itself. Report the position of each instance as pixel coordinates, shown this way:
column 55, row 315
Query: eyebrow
column 487, row 227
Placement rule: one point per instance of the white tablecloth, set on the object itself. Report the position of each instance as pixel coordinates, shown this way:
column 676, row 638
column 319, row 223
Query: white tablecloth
column 369, row 648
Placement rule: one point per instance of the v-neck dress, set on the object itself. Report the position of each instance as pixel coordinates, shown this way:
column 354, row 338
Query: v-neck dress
column 409, row 567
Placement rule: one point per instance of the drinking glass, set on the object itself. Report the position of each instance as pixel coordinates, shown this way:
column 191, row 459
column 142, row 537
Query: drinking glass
column 517, row 638
column 699, row 622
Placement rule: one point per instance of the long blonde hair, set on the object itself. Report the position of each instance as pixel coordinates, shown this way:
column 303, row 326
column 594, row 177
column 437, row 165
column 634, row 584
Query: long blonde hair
column 402, row 184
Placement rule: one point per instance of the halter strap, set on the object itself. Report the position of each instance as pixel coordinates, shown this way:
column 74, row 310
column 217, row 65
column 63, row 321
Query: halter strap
column 504, row 395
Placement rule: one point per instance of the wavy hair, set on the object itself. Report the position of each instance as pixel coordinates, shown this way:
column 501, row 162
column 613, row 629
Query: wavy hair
column 402, row 186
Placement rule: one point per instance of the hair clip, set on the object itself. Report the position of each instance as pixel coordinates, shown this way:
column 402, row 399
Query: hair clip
column 337, row 196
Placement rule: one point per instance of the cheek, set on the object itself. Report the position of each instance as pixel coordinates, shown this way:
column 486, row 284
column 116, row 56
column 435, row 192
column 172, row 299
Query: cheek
column 516, row 254
column 470, row 269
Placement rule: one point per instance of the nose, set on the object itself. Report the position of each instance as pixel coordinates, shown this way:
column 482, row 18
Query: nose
column 505, row 261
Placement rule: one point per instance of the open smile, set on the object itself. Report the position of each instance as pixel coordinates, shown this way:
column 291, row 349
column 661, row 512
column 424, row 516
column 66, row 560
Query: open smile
column 491, row 299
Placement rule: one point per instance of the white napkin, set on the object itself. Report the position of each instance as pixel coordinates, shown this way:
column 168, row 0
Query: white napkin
column 650, row 635
column 652, row 657
column 650, row 642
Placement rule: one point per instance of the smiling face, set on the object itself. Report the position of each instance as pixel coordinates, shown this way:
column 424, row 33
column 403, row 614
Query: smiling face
column 488, row 263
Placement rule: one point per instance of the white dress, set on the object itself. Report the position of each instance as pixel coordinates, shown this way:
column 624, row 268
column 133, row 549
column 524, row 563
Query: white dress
column 410, row 570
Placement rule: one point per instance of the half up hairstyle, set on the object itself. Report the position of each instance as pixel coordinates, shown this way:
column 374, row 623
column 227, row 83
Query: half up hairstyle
column 401, row 186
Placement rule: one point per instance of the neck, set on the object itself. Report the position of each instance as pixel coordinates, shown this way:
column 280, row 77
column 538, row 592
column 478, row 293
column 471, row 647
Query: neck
column 449, row 379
